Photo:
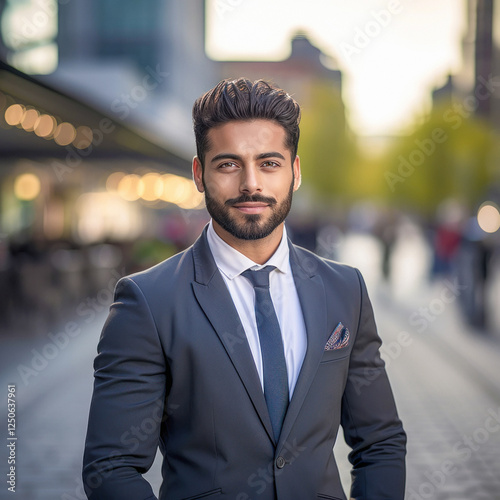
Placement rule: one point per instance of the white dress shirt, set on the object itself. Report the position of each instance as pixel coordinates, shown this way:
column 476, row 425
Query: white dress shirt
column 231, row 264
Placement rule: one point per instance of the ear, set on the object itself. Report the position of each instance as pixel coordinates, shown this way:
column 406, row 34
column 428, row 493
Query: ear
column 297, row 174
column 198, row 174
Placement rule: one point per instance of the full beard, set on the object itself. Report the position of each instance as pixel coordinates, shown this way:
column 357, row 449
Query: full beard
column 254, row 227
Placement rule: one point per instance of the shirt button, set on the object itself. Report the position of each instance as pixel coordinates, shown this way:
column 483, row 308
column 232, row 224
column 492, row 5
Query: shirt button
column 280, row 462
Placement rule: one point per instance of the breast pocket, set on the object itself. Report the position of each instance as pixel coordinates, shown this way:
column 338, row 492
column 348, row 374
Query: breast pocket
column 335, row 354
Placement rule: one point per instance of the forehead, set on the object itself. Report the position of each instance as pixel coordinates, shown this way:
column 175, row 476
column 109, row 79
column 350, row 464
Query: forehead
column 252, row 135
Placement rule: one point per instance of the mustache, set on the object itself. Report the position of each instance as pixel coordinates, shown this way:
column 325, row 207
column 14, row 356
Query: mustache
column 246, row 198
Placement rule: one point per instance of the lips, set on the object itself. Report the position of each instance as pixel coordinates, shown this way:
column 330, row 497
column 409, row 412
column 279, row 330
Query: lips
column 251, row 207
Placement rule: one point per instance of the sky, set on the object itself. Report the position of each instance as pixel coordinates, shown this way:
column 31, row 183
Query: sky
column 392, row 52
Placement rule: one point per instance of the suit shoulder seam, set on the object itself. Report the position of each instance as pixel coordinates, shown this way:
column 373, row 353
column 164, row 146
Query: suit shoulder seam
column 137, row 286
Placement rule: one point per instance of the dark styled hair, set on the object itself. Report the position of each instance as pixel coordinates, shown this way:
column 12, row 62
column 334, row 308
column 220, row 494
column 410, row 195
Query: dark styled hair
column 242, row 100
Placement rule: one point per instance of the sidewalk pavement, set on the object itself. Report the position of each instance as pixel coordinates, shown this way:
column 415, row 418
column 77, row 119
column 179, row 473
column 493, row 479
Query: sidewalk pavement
column 446, row 382
column 435, row 308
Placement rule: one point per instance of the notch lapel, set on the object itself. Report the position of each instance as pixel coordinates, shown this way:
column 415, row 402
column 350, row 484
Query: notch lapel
column 312, row 299
column 217, row 304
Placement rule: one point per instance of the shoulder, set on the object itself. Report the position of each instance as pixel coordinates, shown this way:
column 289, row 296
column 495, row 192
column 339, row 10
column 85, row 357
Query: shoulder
column 164, row 276
column 326, row 268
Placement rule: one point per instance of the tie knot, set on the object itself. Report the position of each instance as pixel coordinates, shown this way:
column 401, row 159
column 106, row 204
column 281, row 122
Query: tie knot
column 260, row 277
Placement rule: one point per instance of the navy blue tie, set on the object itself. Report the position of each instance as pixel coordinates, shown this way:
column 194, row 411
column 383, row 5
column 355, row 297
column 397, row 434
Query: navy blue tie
column 271, row 346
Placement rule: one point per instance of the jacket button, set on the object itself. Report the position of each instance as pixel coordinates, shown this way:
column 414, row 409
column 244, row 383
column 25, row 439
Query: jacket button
column 280, row 462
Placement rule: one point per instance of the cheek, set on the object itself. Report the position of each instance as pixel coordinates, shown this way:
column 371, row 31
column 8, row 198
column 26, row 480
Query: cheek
column 220, row 186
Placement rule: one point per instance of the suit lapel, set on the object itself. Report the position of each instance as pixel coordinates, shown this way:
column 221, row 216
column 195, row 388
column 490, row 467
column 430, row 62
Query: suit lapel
column 312, row 298
column 215, row 300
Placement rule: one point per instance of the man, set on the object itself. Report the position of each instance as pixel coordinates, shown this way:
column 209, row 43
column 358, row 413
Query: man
column 241, row 356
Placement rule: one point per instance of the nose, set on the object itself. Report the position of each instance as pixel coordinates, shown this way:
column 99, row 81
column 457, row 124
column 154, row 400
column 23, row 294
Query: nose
column 250, row 180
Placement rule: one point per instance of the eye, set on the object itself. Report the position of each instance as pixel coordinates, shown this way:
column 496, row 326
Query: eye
column 228, row 165
column 270, row 164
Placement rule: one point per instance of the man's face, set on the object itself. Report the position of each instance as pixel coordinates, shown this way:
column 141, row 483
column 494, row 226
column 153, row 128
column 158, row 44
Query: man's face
column 248, row 179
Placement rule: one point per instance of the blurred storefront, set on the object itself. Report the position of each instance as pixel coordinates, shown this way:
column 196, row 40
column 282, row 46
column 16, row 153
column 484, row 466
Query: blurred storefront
column 77, row 191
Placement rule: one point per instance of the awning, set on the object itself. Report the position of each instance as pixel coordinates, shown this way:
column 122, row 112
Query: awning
column 59, row 125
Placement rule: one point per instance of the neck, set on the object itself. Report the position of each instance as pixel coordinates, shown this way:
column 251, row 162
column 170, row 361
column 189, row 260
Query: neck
column 260, row 251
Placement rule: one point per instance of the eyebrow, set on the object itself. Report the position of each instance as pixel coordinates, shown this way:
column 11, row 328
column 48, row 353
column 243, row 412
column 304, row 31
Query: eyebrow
column 231, row 156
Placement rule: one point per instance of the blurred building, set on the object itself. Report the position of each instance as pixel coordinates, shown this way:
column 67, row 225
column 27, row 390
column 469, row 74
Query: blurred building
column 479, row 77
column 495, row 70
column 144, row 63
column 305, row 66
column 484, row 53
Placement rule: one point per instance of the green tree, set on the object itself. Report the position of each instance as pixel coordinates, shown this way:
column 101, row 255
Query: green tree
column 327, row 149
column 448, row 156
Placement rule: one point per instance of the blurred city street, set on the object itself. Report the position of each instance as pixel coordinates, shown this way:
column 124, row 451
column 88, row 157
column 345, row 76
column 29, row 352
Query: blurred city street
column 444, row 376
column 399, row 172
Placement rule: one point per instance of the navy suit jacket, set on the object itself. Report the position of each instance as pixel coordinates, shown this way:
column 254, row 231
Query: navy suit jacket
column 174, row 370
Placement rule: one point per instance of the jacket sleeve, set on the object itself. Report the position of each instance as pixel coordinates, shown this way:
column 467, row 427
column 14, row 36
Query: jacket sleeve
column 369, row 417
column 128, row 401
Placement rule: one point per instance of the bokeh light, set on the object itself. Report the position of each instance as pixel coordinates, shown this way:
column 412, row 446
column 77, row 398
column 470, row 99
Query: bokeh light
column 27, row 187
column 113, row 181
column 45, row 126
column 101, row 215
column 128, row 187
column 175, row 188
column 65, row 134
column 488, row 217
column 150, row 187
column 29, row 120
column 14, row 114
column 181, row 191
column 83, row 138
column 154, row 186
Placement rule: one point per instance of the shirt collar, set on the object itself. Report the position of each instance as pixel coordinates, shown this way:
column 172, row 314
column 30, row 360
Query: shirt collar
column 232, row 263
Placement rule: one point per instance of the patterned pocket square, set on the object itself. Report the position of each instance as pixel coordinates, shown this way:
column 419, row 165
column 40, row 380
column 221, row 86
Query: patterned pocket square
column 338, row 339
